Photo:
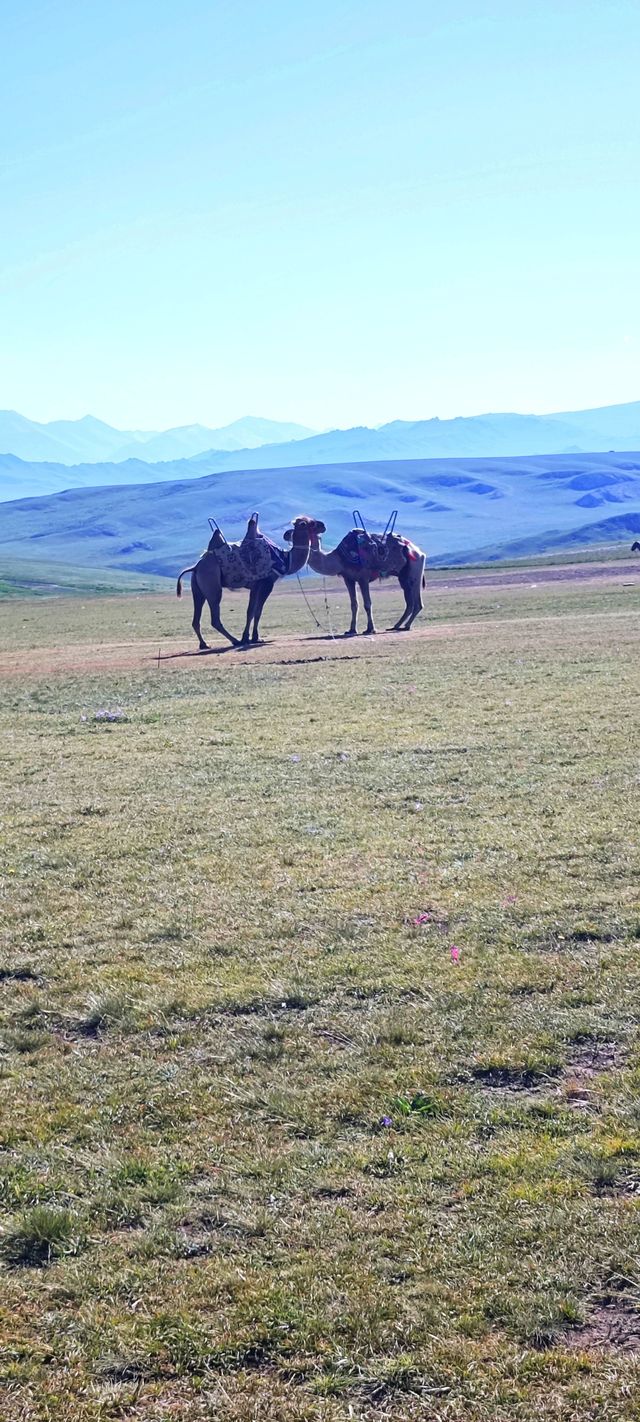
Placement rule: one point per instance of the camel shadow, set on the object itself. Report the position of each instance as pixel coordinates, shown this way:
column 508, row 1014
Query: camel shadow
column 329, row 637
column 200, row 652
column 350, row 636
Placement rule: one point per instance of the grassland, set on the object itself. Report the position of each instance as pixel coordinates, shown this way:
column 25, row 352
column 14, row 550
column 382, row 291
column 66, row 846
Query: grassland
column 31, row 577
column 589, row 553
column 267, row 1150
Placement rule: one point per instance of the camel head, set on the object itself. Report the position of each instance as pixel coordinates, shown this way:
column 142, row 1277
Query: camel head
column 300, row 537
column 303, row 526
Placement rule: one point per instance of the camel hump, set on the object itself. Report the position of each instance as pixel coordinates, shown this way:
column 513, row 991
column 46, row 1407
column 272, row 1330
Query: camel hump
column 411, row 549
column 254, row 558
column 365, row 552
column 358, row 545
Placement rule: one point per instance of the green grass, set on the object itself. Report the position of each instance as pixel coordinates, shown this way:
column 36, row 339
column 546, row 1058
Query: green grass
column 40, row 1235
column 590, row 553
column 267, row 1151
column 28, row 578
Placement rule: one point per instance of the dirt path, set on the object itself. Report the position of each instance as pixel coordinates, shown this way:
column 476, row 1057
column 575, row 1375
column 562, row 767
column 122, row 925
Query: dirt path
column 288, row 650
column 89, row 657
column 568, row 573
column 176, row 653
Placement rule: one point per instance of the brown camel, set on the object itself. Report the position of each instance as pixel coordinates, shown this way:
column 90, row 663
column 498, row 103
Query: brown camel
column 256, row 563
column 359, row 559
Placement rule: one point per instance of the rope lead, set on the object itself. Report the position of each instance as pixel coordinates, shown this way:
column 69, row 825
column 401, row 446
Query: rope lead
column 329, row 628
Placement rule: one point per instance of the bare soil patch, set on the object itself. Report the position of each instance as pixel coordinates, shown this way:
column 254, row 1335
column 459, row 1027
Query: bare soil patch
column 503, row 1078
column 568, row 573
column 613, row 1324
column 587, row 1061
column 87, row 658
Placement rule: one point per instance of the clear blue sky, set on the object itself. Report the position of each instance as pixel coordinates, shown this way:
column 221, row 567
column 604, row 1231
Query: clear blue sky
column 336, row 211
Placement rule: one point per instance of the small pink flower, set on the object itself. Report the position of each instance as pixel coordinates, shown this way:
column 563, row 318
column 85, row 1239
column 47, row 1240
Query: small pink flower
column 422, row 918
column 510, row 899
column 455, row 954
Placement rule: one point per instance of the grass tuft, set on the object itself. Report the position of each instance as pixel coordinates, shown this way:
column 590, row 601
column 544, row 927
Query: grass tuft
column 104, row 1012
column 41, row 1235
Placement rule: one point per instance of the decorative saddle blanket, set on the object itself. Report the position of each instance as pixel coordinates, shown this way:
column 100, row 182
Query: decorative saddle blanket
column 370, row 553
column 242, row 564
column 364, row 551
column 410, row 548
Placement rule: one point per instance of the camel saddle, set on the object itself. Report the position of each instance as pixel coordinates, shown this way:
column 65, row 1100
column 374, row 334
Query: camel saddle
column 365, row 552
column 368, row 553
column 245, row 563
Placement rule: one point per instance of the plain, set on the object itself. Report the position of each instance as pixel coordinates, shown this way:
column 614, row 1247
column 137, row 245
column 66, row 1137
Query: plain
column 270, row 1148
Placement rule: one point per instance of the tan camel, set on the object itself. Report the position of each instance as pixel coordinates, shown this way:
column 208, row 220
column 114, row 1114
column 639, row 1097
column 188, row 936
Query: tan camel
column 256, row 563
column 359, row 559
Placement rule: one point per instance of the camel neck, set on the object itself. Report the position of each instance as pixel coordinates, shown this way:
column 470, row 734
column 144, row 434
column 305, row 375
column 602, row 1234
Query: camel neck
column 297, row 557
column 324, row 562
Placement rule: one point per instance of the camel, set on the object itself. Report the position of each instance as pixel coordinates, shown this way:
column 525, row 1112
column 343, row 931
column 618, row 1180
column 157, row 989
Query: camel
column 256, row 563
column 359, row 559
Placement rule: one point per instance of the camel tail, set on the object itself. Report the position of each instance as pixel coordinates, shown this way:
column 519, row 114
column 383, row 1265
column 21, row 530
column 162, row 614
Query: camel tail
column 180, row 577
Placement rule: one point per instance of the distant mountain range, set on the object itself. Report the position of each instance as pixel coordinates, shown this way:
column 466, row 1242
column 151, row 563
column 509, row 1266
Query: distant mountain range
column 258, row 444
column 455, row 508
column 91, row 441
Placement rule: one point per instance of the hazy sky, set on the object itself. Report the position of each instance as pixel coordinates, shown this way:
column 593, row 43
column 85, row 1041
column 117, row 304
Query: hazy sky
column 335, row 211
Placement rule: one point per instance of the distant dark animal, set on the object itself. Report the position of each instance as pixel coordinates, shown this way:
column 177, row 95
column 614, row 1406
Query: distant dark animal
column 256, row 563
column 635, row 547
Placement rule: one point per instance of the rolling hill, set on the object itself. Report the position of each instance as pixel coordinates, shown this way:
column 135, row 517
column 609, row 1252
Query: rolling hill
column 26, row 578
column 453, row 506
column 22, row 480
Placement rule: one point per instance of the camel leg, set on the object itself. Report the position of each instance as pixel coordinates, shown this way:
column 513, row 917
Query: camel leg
column 198, row 604
column 403, row 579
column 414, row 588
column 251, row 606
column 264, row 590
column 214, row 608
column 350, row 585
column 365, row 589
